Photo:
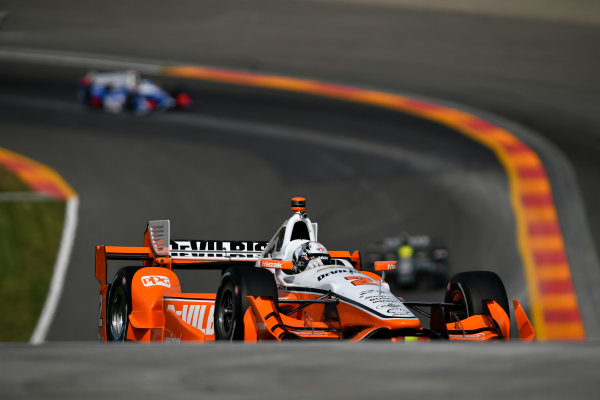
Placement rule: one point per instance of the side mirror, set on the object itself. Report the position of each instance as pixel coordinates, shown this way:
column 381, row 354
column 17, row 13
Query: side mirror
column 385, row 265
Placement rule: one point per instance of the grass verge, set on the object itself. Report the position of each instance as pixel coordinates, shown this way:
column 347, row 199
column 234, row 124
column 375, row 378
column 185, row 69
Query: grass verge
column 30, row 233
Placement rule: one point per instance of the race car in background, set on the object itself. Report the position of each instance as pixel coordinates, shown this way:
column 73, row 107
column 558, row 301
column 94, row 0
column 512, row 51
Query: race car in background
column 419, row 263
column 265, row 294
column 115, row 92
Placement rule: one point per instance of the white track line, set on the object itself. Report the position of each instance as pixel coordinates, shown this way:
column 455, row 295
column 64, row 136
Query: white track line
column 78, row 60
column 60, row 272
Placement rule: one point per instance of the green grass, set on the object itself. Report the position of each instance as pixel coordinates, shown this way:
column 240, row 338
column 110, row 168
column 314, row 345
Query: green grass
column 30, row 233
column 10, row 183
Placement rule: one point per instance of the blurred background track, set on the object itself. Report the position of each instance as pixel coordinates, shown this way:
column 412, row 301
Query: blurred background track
column 534, row 62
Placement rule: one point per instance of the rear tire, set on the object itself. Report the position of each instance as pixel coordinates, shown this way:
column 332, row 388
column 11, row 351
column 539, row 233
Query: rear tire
column 231, row 304
column 119, row 304
column 471, row 289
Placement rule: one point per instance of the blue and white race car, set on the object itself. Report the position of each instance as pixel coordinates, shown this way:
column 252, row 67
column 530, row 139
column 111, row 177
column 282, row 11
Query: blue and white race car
column 115, row 92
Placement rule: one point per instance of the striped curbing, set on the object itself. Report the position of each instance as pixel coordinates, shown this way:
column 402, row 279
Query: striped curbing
column 554, row 305
column 39, row 177
column 48, row 184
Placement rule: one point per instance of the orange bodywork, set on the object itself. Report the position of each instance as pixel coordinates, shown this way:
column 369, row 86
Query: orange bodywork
column 160, row 312
column 189, row 317
column 525, row 329
column 385, row 265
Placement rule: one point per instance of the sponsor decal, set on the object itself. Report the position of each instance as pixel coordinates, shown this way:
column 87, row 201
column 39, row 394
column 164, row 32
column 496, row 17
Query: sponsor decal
column 398, row 312
column 320, row 248
column 386, row 303
column 216, row 249
column 156, row 280
column 334, row 267
column 200, row 316
column 311, row 333
column 373, row 296
column 276, row 264
column 362, row 280
column 385, row 265
column 335, row 271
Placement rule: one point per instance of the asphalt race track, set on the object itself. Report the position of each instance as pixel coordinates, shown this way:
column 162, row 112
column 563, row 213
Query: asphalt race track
column 227, row 169
column 300, row 371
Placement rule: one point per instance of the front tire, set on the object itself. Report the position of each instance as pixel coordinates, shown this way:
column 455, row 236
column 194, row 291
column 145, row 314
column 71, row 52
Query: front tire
column 231, row 303
column 471, row 289
column 119, row 304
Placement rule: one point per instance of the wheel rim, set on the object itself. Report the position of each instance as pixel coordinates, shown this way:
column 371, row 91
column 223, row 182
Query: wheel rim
column 118, row 315
column 226, row 317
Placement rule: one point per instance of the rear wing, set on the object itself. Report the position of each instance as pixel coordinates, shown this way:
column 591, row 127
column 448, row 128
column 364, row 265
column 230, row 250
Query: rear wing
column 214, row 250
column 160, row 250
column 158, row 235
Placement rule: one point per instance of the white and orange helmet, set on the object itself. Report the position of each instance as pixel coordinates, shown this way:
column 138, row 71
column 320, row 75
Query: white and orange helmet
column 313, row 253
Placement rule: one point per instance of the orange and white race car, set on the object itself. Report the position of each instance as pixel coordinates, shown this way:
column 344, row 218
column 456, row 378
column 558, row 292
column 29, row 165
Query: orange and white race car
column 288, row 288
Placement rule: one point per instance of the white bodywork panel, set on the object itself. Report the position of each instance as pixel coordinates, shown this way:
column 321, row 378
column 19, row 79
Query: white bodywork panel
column 339, row 277
column 127, row 79
column 349, row 285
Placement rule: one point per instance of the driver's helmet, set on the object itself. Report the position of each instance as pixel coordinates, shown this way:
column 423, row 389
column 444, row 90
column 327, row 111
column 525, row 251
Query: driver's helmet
column 309, row 255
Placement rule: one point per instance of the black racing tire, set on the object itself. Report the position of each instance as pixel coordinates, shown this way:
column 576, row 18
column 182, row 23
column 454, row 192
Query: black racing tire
column 471, row 289
column 231, row 303
column 85, row 96
column 118, row 305
column 129, row 101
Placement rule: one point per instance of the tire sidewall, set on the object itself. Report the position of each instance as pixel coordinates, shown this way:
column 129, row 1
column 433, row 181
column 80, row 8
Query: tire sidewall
column 228, row 283
column 121, row 286
column 242, row 281
column 476, row 287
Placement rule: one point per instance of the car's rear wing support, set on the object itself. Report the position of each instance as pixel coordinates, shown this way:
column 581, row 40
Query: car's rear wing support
column 158, row 236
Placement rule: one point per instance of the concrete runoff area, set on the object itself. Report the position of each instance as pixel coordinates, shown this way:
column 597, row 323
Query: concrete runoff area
column 299, row 371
